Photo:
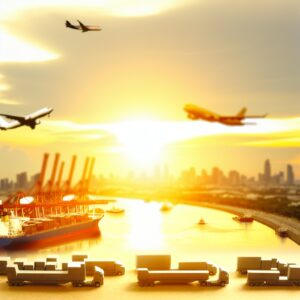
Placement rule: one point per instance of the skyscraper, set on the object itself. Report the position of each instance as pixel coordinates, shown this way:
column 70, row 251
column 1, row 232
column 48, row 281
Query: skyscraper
column 267, row 172
column 290, row 177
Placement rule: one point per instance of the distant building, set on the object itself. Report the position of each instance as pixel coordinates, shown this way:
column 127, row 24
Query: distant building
column 5, row 184
column 280, row 178
column 21, row 181
column 188, row 178
column 290, row 177
column 234, row 178
column 267, row 172
column 215, row 175
column 34, row 179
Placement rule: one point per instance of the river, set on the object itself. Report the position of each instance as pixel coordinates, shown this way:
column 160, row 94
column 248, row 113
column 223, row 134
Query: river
column 144, row 228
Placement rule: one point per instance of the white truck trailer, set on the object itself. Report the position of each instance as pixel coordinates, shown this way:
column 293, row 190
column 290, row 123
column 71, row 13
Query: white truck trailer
column 201, row 265
column 110, row 267
column 246, row 263
column 75, row 274
column 148, row 277
column 153, row 262
column 273, row 278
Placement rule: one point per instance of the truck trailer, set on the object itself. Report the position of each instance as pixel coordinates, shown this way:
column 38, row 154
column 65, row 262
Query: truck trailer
column 75, row 274
column 257, row 263
column 4, row 261
column 273, row 278
column 148, row 277
column 110, row 267
column 153, row 262
column 203, row 265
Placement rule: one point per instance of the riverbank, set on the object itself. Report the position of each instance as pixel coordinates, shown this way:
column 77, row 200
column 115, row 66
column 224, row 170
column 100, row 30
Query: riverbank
column 270, row 220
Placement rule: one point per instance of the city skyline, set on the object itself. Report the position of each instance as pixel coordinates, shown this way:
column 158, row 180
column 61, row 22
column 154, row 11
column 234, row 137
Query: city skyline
column 161, row 174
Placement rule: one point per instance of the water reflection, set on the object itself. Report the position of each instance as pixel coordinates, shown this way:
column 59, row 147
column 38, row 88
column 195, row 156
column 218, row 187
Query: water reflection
column 146, row 232
column 144, row 228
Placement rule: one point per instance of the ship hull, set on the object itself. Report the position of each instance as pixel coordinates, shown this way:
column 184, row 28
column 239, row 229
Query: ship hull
column 64, row 232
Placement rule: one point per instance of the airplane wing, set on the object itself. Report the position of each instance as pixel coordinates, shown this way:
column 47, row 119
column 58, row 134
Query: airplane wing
column 17, row 118
column 83, row 27
column 256, row 117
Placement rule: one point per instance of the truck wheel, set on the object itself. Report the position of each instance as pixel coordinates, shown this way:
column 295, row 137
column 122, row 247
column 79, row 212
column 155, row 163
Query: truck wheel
column 97, row 284
column 79, row 284
column 222, row 283
column 203, row 283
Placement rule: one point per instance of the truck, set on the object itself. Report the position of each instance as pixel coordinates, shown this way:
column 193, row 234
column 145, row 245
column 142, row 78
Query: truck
column 110, row 267
column 4, row 261
column 153, row 262
column 246, row 263
column 201, row 265
column 273, row 278
column 148, row 277
column 75, row 274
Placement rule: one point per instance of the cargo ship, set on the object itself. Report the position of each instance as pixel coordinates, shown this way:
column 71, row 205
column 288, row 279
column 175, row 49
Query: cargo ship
column 21, row 231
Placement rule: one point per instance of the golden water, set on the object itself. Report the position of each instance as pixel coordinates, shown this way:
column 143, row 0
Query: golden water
column 143, row 228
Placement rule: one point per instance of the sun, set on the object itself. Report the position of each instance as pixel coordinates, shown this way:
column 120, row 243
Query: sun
column 141, row 141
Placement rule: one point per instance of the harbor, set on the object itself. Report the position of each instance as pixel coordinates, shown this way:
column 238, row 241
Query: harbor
column 145, row 229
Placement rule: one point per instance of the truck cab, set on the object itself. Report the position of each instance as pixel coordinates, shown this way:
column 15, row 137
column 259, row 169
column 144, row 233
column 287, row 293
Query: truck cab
column 223, row 277
column 98, row 277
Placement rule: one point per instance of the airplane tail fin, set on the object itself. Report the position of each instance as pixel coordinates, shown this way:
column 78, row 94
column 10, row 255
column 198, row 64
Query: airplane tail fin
column 242, row 112
column 68, row 24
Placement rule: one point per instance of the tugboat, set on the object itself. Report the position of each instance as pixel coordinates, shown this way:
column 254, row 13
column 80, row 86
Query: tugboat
column 201, row 222
column 115, row 210
column 166, row 206
column 282, row 231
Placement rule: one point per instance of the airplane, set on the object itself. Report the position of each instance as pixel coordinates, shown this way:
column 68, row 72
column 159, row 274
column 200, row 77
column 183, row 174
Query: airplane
column 197, row 113
column 28, row 120
column 82, row 27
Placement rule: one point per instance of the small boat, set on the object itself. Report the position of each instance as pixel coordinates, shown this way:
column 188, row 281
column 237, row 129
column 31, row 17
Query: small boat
column 246, row 218
column 201, row 222
column 166, row 206
column 115, row 210
column 282, row 231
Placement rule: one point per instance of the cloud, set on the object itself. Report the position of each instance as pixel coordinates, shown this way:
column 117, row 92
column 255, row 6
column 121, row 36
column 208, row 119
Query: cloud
column 266, row 133
column 14, row 49
column 3, row 88
column 112, row 7
column 9, row 102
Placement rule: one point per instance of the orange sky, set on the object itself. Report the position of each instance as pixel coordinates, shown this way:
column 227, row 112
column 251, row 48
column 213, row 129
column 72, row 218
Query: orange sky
column 118, row 94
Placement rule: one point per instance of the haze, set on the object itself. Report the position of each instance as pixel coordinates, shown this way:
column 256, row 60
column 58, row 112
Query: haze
column 118, row 94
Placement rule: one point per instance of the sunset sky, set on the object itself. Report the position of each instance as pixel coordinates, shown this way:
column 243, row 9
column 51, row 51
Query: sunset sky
column 118, row 94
